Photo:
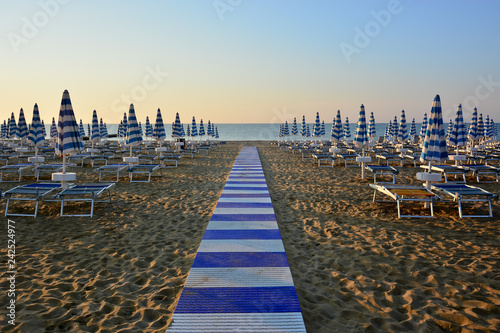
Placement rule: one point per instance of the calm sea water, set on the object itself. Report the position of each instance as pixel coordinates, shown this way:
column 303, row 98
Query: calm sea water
column 264, row 132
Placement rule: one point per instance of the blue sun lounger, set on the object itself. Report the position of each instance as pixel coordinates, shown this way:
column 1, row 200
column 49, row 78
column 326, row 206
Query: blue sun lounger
column 83, row 193
column 31, row 192
column 49, row 168
column 447, row 170
column 14, row 168
column 465, row 193
column 324, row 160
column 111, row 168
column 382, row 170
column 481, row 169
column 146, row 169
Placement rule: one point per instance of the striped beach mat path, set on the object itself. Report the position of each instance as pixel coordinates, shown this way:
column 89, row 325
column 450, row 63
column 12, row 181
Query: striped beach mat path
column 240, row 280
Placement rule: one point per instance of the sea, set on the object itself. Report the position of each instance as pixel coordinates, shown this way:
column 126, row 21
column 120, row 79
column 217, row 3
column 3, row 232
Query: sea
column 260, row 132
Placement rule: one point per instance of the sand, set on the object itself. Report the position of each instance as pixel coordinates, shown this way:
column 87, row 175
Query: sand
column 356, row 267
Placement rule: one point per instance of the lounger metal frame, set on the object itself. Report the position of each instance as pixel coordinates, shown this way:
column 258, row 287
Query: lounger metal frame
column 31, row 192
column 390, row 158
column 448, row 170
column 465, row 193
column 143, row 169
column 79, row 157
column 13, row 168
column 111, row 168
column 86, row 193
column 386, row 189
column 480, row 169
column 327, row 158
column 382, row 170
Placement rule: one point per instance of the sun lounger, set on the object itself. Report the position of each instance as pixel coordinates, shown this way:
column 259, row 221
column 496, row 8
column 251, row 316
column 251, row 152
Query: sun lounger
column 31, row 192
column 79, row 158
column 390, row 158
column 307, row 154
column 112, row 169
column 413, row 157
column 481, row 169
column 144, row 158
column 407, row 193
column 83, row 193
column 447, row 170
column 147, row 169
column 170, row 161
column 101, row 158
column 382, row 170
column 465, row 193
column 14, row 168
column 186, row 152
column 49, row 168
column 349, row 159
column 324, row 160
column 489, row 159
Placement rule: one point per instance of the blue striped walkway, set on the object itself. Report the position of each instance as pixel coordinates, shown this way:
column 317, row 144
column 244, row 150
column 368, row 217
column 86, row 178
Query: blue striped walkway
column 240, row 280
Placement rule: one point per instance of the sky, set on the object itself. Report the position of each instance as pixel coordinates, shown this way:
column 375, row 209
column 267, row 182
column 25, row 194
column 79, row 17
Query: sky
column 242, row 61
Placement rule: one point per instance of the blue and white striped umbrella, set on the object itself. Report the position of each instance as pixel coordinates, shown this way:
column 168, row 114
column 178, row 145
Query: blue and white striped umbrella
column 134, row 137
column 303, row 129
column 450, row 128
column 323, row 128
column 3, row 132
column 188, row 130
column 337, row 132
column 216, row 132
column 480, row 127
column 23, row 127
column 371, row 127
column 140, row 129
column 493, row 129
column 434, row 147
column 194, row 128
column 487, row 126
column 13, row 129
column 159, row 130
column 149, row 128
column 36, row 136
column 81, row 129
column 395, row 128
column 201, row 132
column 457, row 135
column 53, row 129
column 120, row 129
column 209, row 129
column 280, row 132
column 43, row 129
column 177, row 127
column 286, row 130
column 423, row 129
column 317, row 126
column 105, row 128
column 68, row 134
column 96, row 132
column 308, row 132
column 472, row 133
column 413, row 129
column 89, row 130
column 295, row 129
column 347, row 129
column 212, row 131
column 102, row 130
column 361, row 134
column 402, row 132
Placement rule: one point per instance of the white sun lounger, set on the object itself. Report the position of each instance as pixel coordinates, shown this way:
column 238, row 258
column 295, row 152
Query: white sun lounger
column 407, row 193
column 147, row 169
column 84, row 193
column 14, row 168
column 390, row 158
column 465, row 193
column 111, row 168
column 31, row 192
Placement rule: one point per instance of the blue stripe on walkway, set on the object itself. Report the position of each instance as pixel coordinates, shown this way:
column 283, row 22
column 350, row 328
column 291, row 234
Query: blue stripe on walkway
column 240, row 259
column 242, row 234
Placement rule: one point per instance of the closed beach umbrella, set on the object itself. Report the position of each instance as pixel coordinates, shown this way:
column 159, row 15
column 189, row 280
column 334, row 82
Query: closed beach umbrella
column 188, row 130
column 434, row 148
column 140, row 129
column 423, row 129
column 361, row 136
column 480, row 127
column 212, row 131
column 286, row 130
column 347, row 129
column 96, row 132
column 36, row 136
column 216, row 132
column 308, row 132
column 486, row 126
column 102, row 130
column 371, row 127
column 450, row 128
column 149, row 128
column 457, row 135
column 159, row 130
column 105, row 128
column 201, row 131
column 413, row 129
column 323, row 129
column 194, row 128
column 493, row 129
column 295, row 129
column 81, row 129
column 472, row 134
column 43, row 129
column 23, row 127
column 209, row 129
column 134, row 137
column 403, row 132
column 337, row 132
column 3, row 132
column 177, row 127
column 53, row 129
column 68, row 134
column 13, row 129
column 303, row 129
column 317, row 126
column 89, row 130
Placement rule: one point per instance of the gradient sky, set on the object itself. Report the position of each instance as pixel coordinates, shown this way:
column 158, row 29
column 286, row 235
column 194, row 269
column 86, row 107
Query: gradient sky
column 257, row 61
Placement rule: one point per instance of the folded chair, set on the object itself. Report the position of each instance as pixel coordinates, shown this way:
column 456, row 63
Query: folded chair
column 147, row 169
column 31, row 192
column 382, row 170
column 14, row 168
column 407, row 193
column 84, row 193
column 465, row 193
column 111, row 168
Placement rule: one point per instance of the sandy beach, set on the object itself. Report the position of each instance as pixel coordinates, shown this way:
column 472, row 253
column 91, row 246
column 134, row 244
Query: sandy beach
column 356, row 267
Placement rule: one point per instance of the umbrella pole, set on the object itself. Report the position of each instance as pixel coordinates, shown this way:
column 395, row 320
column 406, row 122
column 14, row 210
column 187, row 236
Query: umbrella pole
column 363, row 163
column 428, row 186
